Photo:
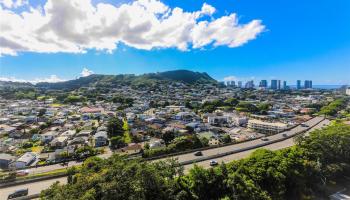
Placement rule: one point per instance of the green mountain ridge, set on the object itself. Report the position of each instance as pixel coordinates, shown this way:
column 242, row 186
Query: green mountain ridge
column 144, row 80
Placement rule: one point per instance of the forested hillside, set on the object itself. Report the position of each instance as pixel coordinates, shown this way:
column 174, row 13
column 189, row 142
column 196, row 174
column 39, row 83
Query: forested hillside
column 151, row 79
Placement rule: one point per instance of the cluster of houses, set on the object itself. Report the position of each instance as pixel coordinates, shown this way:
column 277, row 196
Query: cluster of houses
column 66, row 127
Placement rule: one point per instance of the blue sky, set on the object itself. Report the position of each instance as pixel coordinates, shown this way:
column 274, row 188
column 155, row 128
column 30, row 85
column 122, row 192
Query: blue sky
column 299, row 40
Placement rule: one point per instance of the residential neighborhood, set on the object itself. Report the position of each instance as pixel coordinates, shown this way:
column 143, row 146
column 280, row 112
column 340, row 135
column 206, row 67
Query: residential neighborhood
column 152, row 122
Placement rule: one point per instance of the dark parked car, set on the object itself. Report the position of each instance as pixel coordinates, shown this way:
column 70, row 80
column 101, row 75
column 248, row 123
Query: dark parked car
column 304, row 125
column 284, row 135
column 198, row 153
column 18, row 193
column 264, row 139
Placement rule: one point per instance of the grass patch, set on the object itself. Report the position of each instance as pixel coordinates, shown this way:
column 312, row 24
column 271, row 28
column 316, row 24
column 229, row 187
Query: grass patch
column 55, row 105
column 37, row 149
column 127, row 137
column 50, row 173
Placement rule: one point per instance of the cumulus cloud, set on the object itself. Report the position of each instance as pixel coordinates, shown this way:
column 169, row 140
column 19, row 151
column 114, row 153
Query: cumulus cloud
column 230, row 78
column 235, row 78
column 50, row 79
column 76, row 26
column 13, row 3
column 86, row 72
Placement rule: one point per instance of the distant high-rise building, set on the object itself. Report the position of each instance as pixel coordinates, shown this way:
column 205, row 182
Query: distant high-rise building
column 228, row 83
column 347, row 91
column 249, row 84
column 308, row 84
column 285, row 85
column 274, row 84
column 279, row 84
column 239, row 84
column 263, row 84
column 298, row 84
column 233, row 84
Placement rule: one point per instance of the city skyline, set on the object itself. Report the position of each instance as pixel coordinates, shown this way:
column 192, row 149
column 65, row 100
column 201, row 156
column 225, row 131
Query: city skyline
column 252, row 43
column 275, row 84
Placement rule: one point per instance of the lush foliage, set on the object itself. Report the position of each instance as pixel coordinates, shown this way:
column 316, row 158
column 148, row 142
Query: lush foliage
column 333, row 108
column 210, row 106
column 178, row 144
column 246, row 107
column 115, row 127
column 74, row 99
column 294, row 173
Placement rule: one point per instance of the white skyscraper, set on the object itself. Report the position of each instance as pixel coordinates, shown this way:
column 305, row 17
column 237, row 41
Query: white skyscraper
column 348, row 91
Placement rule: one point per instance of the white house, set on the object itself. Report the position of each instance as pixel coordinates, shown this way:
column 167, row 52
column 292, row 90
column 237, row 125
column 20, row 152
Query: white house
column 101, row 139
column 70, row 133
column 60, row 141
column 217, row 119
column 25, row 160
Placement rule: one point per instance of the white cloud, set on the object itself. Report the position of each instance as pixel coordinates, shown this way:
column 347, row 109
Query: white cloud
column 86, row 72
column 50, row 79
column 76, row 26
column 13, row 3
column 235, row 78
column 13, row 79
column 230, row 78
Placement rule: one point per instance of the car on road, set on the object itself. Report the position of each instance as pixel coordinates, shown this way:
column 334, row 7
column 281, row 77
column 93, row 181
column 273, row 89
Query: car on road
column 213, row 163
column 198, row 153
column 304, row 125
column 284, row 135
column 264, row 139
column 18, row 193
column 22, row 172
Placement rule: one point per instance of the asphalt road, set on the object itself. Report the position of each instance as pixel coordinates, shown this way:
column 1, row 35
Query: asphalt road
column 36, row 187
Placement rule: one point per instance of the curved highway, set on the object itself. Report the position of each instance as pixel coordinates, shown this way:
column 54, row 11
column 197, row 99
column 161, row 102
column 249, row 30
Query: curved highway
column 249, row 144
column 275, row 146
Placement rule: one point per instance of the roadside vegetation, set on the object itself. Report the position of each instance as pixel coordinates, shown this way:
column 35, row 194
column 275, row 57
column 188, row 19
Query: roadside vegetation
column 334, row 107
column 301, row 172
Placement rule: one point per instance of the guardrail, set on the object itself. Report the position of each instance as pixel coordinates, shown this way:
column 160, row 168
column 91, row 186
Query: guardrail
column 33, row 196
column 32, row 180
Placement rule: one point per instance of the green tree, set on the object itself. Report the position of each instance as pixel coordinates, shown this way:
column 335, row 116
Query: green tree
column 41, row 112
column 115, row 127
column 117, row 142
column 168, row 136
column 246, row 107
column 231, row 102
column 226, row 139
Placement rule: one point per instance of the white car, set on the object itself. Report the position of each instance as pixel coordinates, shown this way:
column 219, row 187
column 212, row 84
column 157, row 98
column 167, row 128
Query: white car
column 22, row 172
column 213, row 163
